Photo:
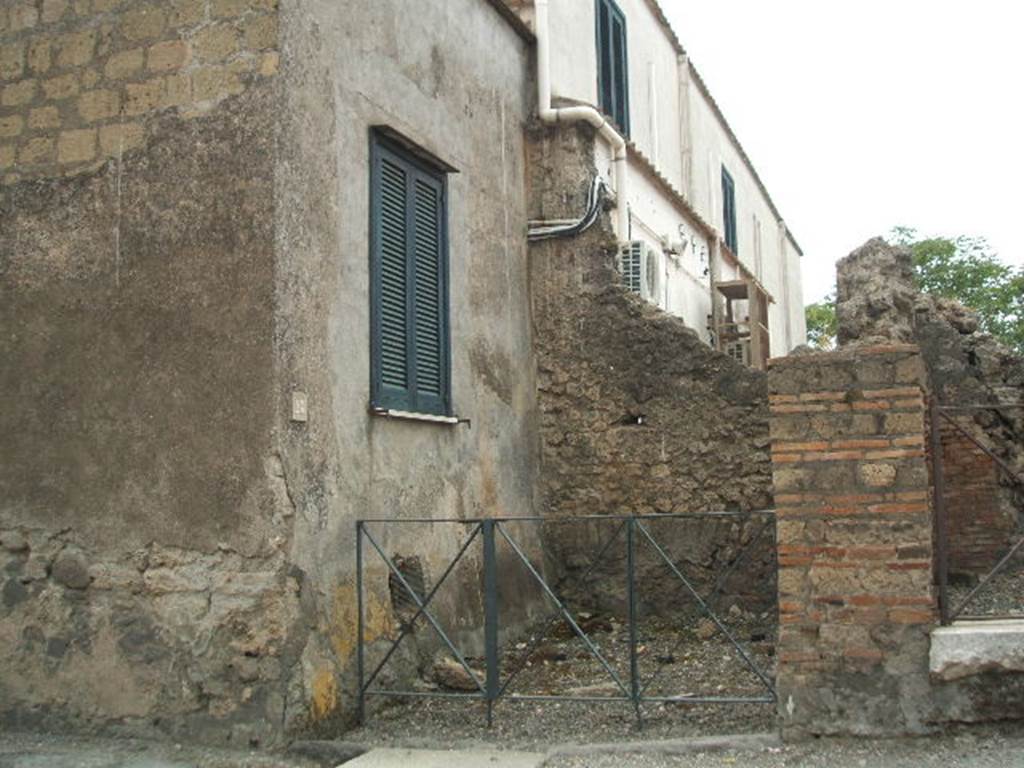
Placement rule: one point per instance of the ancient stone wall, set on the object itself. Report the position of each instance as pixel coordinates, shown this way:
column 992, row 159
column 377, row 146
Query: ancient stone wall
column 855, row 540
column 184, row 249
column 638, row 416
column 78, row 78
column 879, row 302
column 857, row 602
column 143, row 512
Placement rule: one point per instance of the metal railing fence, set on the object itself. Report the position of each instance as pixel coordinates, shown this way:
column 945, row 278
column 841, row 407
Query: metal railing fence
column 630, row 532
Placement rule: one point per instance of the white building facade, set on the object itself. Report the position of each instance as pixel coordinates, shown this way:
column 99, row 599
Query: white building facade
column 701, row 222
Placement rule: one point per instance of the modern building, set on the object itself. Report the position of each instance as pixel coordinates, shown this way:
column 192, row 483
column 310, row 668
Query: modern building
column 698, row 212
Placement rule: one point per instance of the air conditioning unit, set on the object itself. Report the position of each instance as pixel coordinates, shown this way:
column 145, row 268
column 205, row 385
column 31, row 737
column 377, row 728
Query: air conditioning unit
column 739, row 351
column 641, row 269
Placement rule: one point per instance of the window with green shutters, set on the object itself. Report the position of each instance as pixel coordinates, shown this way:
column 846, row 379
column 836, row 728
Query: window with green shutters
column 612, row 65
column 729, row 211
column 410, row 368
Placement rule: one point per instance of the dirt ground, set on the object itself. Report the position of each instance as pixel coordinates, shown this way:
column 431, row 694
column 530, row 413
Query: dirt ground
column 697, row 662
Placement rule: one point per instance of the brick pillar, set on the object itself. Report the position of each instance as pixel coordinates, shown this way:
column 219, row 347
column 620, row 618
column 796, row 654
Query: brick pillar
column 854, row 540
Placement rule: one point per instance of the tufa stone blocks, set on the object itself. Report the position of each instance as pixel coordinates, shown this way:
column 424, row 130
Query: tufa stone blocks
column 854, row 538
column 114, row 59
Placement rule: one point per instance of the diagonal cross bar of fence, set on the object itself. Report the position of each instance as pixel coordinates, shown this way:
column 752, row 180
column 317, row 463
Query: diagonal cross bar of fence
column 940, row 415
column 706, row 609
column 421, row 605
column 565, row 612
column 520, row 664
column 710, row 598
column 632, row 690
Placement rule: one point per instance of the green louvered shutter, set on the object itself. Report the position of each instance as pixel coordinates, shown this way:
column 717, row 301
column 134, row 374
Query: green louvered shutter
column 729, row 211
column 393, row 297
column 429, row 320
column 409, row 290
column 612, row 64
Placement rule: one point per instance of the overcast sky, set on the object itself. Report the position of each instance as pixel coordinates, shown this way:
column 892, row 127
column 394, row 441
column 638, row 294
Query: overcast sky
column 864, row 115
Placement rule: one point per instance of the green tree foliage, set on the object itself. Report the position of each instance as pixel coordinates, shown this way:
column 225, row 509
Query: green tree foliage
column 821, row 323
column 966, row 269
column 962, row 268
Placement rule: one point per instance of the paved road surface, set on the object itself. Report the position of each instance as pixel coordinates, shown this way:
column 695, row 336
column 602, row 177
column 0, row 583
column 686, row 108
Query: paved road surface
column 963, row 748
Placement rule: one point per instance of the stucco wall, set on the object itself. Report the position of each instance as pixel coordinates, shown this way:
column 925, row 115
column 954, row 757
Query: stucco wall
column 143, row 529
column 177, row 553
column 455, row 82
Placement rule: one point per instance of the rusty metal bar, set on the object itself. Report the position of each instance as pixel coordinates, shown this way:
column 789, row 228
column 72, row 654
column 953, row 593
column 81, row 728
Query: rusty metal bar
column 986, row 579
column 941, row 520
column 988, row 452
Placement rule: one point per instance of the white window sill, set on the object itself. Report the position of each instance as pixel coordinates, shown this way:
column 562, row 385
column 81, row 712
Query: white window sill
column 391, row 413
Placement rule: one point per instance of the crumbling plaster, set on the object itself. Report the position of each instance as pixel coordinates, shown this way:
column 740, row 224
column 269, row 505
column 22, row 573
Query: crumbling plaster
column 164, row 523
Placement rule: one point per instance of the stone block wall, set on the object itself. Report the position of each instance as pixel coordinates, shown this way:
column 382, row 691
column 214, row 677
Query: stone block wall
column 79, row 77
column 982, row 521
column 855, row 539
column 145, row 523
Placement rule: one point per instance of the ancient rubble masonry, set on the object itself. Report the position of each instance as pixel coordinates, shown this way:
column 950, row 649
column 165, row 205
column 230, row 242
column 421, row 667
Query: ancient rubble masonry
column 638, row 415
column 854, row 537
column 78, row 79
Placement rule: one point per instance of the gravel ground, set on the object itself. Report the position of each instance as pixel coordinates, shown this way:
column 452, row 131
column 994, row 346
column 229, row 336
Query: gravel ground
column 33, row 750
column 688, row 664
column 1002, row 596
column 975, row 748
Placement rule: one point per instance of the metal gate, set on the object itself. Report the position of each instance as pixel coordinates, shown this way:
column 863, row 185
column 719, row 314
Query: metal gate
column 951, row 609
column 632, row 535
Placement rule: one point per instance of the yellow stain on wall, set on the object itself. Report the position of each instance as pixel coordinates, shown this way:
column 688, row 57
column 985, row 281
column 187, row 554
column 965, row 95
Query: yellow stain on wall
column 344, row 621
column 325, row 693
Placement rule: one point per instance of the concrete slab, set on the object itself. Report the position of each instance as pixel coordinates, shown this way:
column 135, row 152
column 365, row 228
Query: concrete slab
column 972, row 647
column 431, row 758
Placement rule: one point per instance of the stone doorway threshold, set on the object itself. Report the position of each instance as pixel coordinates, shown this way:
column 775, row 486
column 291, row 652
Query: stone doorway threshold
column 431, row 758
column 967, row 648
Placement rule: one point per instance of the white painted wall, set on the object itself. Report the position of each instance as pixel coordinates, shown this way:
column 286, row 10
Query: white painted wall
column 665, row 120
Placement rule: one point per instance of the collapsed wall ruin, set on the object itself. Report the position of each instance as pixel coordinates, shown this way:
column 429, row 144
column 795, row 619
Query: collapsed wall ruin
column 638, row 415
column 878, row 301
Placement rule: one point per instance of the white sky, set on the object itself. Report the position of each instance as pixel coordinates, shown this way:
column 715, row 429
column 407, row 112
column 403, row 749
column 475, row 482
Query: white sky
column 863, row 115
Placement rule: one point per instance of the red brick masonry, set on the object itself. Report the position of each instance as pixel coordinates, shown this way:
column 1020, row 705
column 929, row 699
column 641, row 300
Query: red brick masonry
column 982, row 519
column 854, row 533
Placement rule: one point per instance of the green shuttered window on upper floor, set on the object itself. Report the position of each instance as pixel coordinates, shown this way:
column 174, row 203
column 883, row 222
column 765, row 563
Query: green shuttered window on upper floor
column 729, row 211
column 410, row 361
column 612, row 64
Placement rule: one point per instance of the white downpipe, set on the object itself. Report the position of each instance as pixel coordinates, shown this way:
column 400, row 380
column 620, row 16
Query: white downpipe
column 580, row 114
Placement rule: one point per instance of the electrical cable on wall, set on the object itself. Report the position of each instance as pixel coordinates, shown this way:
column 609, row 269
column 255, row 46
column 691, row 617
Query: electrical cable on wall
column 547, row 230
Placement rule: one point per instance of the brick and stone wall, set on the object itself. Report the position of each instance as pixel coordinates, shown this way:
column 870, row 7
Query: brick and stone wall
column 982, row 520
column 79, row 77
column 854, row 537
column 878, row 301
column 638, row 415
